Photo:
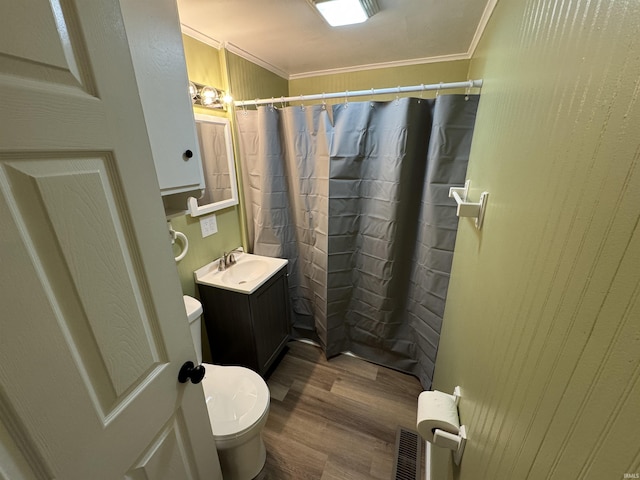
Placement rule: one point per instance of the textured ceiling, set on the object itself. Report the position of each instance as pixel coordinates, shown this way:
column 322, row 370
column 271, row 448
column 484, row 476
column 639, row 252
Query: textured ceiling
column 292, row 39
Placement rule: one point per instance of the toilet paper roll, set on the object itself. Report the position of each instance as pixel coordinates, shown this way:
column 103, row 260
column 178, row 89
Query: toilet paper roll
column 437, row 410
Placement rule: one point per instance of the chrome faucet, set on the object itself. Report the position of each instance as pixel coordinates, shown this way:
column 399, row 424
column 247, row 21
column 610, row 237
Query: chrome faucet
column 222, row 262
column 226, row 260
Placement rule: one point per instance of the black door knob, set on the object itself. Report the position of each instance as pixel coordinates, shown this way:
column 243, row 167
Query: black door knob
column 189, row 371
column 188, row 154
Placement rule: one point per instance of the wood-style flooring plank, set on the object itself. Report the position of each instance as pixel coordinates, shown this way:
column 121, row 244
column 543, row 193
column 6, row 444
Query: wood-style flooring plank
column 277, row 391
column 336, row 419
column 381, row 468
column 355, row 366
column 383, row 403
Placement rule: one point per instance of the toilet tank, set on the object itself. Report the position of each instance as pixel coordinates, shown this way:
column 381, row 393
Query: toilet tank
column 194, row 313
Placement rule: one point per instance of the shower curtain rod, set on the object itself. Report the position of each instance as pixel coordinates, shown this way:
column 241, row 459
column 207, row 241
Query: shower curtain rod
column 359, row 93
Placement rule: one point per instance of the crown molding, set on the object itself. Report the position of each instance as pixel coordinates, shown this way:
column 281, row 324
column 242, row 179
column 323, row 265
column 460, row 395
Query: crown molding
column 375, row 66
column 482, row 24
column 253, row 59
column 190, row 32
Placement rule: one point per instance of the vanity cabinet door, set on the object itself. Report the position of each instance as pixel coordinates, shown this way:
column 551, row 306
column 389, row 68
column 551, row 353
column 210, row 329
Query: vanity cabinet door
column 161, row 74
column 248, row 330
column 227, row 317
column 270, row 307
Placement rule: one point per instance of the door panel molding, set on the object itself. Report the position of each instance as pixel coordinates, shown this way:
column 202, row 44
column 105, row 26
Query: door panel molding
column 19, row 451
column 95, row 309
column 168, row 456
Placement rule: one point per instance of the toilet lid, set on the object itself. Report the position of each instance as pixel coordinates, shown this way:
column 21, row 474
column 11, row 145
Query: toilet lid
column 237, row 398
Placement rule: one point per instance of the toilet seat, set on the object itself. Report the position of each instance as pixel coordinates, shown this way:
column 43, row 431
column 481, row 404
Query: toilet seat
column 237, row 399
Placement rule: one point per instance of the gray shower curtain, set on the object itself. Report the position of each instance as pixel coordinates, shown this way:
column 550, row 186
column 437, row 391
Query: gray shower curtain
column 285, row 168
column 356, row 197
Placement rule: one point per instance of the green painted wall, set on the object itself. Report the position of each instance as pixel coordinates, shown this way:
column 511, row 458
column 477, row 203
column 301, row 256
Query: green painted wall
column 248, row 80
column 205, row 250
column 203, row 63
column 205, row 66
column 542, row 328
column 427, row 73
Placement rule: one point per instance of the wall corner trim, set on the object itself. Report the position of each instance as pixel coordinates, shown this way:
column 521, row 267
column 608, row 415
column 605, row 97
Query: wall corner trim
column 482, row 24
column 253, row 59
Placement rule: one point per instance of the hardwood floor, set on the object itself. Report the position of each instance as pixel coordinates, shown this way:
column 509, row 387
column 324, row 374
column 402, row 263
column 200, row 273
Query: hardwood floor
column 335, row 420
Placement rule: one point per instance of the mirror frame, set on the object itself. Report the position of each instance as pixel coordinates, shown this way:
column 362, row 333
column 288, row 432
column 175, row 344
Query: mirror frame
column 196, row 210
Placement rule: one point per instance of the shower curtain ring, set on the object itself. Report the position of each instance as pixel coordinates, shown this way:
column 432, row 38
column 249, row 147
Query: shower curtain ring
column 398, row 96
column 302, row 102
column 282, row 101
column 421, row 92
column 346, row 99
column 324, row 102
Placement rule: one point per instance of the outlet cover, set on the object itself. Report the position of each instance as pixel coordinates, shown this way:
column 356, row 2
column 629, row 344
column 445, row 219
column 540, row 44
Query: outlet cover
column 208, row 225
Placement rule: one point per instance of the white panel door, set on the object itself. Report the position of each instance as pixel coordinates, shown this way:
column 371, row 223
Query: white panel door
column 92, row 326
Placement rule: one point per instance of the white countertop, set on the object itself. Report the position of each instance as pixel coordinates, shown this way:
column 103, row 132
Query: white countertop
column 248, row 274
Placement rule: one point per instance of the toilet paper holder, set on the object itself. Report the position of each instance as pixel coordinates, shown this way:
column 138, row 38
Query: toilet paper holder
column 451, row 441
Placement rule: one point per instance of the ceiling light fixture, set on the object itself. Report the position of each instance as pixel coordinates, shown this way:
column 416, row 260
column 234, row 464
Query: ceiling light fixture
column 346, row 12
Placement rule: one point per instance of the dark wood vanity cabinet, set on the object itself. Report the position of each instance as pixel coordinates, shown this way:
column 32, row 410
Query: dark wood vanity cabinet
column 249, row 330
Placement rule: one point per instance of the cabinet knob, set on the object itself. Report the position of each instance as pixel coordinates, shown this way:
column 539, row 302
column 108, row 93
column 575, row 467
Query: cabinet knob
column 188, row 154
column 190, row 372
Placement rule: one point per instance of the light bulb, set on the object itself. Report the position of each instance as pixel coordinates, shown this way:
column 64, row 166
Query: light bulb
column 193, row 92
column 208, row 96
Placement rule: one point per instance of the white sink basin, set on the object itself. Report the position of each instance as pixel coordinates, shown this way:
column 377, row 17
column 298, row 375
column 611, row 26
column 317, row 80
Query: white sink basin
column 246, row 271
column 245, row 276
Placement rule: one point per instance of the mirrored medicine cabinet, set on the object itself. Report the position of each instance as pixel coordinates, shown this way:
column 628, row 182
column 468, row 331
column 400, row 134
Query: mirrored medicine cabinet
column 216, row 150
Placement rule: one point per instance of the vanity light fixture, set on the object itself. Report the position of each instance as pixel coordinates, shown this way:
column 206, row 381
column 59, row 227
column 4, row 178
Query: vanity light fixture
column 346, row 12
column 208, row 96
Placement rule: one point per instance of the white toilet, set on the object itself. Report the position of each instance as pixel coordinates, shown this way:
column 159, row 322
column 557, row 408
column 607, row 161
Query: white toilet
column 238, row 404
